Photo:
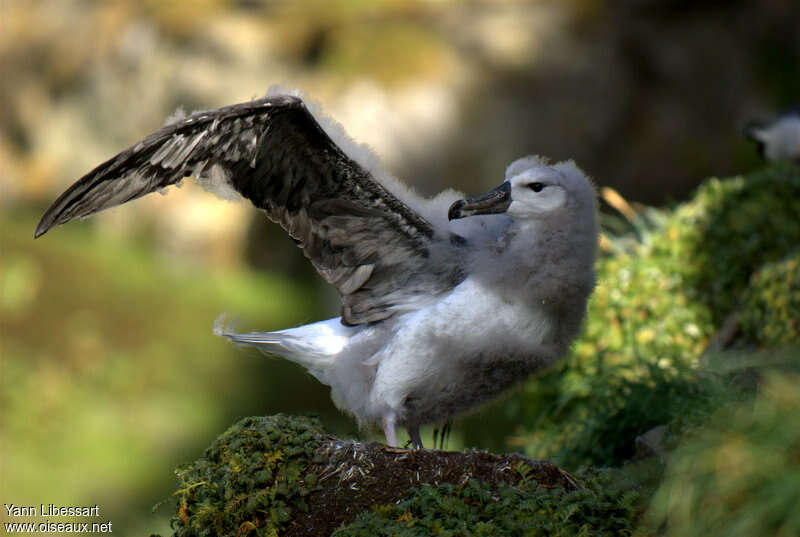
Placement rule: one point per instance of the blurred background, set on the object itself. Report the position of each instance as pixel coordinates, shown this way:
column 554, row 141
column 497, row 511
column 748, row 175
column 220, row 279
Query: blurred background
column 110, row 373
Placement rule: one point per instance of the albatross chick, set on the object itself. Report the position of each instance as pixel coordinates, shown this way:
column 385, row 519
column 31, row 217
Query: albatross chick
column 446, row 302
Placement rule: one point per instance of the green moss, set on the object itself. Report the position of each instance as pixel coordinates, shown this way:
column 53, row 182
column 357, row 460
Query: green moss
column 730, row 229
column 605, row 506
column 632, row 407
column 665, row 294
column 250, row 479
column 740, row 475
column 770, row 312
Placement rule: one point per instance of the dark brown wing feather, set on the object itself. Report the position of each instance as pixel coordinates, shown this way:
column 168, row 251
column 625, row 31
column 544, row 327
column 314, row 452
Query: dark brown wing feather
column 359, row 236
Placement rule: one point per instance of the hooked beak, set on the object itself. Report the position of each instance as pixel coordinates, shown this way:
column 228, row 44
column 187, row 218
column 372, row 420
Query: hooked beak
column 495, row 201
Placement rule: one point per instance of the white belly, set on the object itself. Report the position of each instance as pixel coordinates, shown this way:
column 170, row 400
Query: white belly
column 429, row 350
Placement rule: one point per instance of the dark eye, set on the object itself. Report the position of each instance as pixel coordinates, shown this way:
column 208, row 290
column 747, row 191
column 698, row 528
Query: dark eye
column 536, row 187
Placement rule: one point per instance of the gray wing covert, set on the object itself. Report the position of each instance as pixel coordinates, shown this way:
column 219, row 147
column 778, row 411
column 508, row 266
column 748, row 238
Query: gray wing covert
column 359, row 236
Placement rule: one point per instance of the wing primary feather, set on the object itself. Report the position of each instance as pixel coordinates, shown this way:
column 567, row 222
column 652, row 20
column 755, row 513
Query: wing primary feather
column 360, row 237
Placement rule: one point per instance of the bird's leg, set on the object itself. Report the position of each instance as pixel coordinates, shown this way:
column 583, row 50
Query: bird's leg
column 447, row 428
column 389, row 421
column 416, row 441
column 445, row 435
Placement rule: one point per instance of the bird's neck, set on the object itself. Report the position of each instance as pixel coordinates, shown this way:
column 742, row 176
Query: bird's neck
column 546, row 258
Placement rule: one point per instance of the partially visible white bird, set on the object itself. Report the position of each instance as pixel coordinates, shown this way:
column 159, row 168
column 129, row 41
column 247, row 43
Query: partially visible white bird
column 446, row 302
column 778, row 140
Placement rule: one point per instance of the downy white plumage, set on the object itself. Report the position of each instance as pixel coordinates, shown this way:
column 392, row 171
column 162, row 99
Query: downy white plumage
column 446, row 302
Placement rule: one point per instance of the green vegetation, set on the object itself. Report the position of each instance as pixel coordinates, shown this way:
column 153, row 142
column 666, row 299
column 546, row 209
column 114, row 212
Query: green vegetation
column 602, row 508
column 250, row 479
column 257, row 476
column 731, row 228
column 770, row 314
column 740, row 474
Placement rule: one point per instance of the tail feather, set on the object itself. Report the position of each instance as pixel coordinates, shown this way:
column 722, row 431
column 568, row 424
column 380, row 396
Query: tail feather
column 313, row 346
column 269, row 342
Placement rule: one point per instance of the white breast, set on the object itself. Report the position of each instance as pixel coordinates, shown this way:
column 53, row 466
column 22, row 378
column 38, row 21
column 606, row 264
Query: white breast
column 430, row 343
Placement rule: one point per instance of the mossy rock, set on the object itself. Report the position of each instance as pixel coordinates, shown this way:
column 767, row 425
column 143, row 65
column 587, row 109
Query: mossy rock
column 280, row 475
column 250, row 479
column 770, row 311
column 730, row 229
column 667, row 294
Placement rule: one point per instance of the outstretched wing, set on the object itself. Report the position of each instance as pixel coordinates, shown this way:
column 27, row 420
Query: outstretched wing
column 359, row 236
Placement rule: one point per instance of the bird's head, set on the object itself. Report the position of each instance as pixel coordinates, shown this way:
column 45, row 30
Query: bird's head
column 779, row 140
column 533, row 189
